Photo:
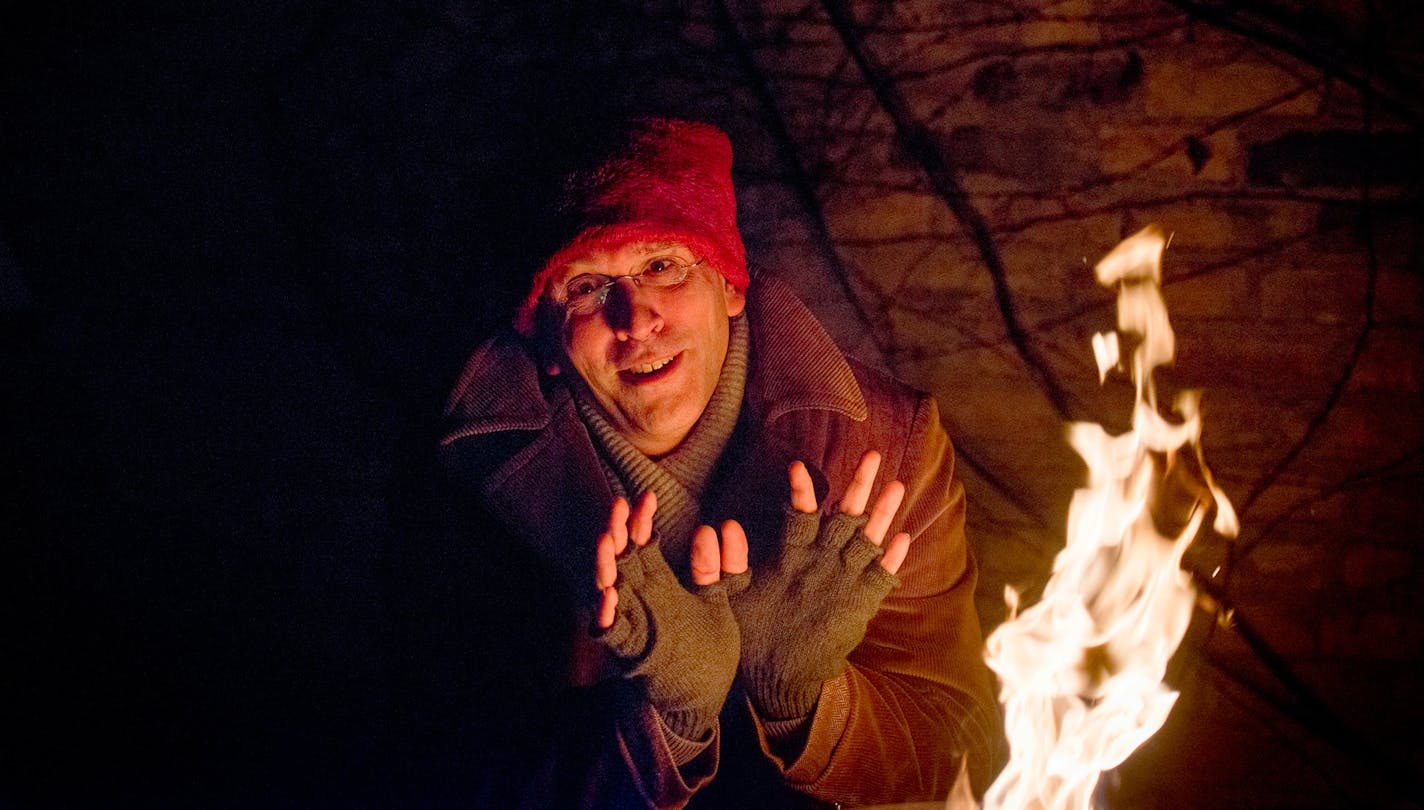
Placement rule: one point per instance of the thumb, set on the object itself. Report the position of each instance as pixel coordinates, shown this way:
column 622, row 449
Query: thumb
column 734, row 548
column 706, row 558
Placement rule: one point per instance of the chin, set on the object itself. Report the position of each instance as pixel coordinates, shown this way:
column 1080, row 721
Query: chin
column 663, row 426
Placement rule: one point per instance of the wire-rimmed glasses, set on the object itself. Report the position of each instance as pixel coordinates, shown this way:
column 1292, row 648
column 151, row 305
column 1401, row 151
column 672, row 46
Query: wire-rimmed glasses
column 586, row 293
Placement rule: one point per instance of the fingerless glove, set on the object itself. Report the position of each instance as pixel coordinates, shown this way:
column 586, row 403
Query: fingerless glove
column 802, row 616
column 681, row 647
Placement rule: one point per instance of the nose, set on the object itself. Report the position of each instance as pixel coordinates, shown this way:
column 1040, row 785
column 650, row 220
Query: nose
column 632, row 311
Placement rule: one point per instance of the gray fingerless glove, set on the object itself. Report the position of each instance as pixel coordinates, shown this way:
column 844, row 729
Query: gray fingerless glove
column 803, row 616
column 681, row 647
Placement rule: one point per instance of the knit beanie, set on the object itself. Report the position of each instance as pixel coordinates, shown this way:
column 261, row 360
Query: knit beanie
column 656, row 180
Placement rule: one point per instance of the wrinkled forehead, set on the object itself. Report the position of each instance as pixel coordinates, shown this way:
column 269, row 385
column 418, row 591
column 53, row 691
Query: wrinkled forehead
column 624, row 260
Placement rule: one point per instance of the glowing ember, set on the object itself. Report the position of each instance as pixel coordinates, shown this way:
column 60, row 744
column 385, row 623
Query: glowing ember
column 1082, row 670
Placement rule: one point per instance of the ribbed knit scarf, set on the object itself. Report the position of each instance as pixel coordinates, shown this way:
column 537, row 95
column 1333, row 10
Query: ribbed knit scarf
column 680, row 477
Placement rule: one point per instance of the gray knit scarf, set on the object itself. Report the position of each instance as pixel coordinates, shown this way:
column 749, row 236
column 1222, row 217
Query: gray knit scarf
column 679, row 478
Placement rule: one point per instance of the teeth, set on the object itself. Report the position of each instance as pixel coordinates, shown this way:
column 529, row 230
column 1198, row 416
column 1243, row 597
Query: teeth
column 649, row 368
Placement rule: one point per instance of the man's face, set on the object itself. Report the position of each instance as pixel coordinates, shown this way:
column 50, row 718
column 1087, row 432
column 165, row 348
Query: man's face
column 651, row 356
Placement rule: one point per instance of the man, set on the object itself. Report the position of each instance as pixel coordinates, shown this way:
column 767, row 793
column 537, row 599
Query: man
column 697, row 557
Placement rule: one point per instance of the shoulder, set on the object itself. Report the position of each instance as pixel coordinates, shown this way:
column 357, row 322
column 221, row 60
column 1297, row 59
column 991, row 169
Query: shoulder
column 828, row 406
column 499, row 389
column 499, row 405
column 799, row 371
column 888, row 399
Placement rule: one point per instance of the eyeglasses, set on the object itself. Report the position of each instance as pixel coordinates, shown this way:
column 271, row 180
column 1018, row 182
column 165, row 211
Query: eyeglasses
column 586, row 293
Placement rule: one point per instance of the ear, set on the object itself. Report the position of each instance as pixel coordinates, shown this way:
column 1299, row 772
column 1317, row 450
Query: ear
column 551, row 357
column 548, row 337
column 735, row 299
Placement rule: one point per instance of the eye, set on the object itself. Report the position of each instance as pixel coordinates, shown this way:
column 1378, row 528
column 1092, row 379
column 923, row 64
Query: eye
column 585, row 285
column 661, row 266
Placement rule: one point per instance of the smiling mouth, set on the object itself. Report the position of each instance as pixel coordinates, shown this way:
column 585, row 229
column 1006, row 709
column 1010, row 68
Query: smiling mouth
column 646, row 372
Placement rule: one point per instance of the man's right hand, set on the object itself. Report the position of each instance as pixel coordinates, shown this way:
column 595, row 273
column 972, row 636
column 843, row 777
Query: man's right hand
column 681, row 646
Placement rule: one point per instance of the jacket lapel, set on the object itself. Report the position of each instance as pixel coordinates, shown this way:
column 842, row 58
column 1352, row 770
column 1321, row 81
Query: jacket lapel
column 795, row 364
column 795, row 367
column 552, row 492
column 555, row 496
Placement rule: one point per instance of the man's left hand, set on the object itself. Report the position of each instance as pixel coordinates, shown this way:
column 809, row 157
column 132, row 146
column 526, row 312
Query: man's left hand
column 803, row 615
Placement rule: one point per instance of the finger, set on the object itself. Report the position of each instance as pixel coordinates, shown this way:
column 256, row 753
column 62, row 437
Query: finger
column 884, row 511
column 858, row 493
column 608, row 608
column 803, row 492
column 618, row 524
column 734, row 548
column 640, row 523
column 706, row 558
column 605, row 563
column 895, row 552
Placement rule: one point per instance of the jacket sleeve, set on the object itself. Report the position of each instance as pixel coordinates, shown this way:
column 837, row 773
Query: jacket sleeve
column 915, row 699
column 649, row 764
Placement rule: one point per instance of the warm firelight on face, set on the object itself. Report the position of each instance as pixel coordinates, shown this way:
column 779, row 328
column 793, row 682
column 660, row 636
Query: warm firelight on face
column 1081, row 671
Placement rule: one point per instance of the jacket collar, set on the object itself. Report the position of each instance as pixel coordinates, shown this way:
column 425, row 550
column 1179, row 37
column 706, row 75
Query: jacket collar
column 498, row 390
column 795, row 366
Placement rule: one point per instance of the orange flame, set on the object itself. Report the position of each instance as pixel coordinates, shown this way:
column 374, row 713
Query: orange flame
column 1081, row 671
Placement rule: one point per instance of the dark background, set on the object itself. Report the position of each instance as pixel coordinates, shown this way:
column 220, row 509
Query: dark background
column 243, row 261
column 245, row 247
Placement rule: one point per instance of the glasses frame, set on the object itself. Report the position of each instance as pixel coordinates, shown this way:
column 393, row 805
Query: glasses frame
column 594, row 302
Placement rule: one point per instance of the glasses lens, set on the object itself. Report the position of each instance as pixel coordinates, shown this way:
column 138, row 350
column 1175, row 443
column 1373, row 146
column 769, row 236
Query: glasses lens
column 585, row 293
column 664, row 272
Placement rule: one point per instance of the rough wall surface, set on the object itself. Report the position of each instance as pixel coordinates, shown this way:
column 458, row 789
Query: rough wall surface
column 242, row 253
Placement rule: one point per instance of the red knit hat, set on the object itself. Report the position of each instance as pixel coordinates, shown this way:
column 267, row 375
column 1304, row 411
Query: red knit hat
column 664, row 180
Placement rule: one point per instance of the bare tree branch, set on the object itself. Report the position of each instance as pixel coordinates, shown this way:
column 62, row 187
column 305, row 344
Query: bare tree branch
column 1312, row 712
column 921, row 144
column 1365, row 477
column 1367, row 328
column 800, row 179
column 1399, row 93
column 1254, row 702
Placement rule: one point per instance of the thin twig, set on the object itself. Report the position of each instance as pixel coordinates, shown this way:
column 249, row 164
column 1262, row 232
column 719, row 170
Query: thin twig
column 800, row 179
column 1313, row 713
column 1399, row 93
column 1370, row 475
column 943, row 178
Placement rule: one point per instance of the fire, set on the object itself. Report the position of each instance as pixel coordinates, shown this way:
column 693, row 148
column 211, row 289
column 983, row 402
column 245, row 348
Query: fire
column 1081, row 670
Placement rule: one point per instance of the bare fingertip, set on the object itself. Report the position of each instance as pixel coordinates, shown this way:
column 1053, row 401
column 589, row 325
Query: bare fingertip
column 607, row 608
column 896, row 551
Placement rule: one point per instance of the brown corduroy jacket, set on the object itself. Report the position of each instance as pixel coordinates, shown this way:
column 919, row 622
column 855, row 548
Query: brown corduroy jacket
column 512, row 700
